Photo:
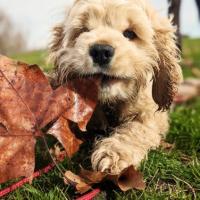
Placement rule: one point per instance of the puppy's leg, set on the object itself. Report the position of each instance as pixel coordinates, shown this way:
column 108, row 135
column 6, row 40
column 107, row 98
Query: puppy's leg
column 128, row 145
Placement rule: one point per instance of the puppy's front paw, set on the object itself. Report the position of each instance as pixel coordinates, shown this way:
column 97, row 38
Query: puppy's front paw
column 109, row 160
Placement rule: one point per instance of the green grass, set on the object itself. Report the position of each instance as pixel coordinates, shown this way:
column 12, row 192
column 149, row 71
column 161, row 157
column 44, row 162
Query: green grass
column 191, row 54
column 173, row 174
column 35, row 57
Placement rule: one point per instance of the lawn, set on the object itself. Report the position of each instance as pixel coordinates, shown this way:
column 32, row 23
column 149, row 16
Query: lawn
column 169, row 174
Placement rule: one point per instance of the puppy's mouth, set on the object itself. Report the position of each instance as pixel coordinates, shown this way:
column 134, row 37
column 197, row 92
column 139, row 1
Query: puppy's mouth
column 104, row 78
column 107, row 80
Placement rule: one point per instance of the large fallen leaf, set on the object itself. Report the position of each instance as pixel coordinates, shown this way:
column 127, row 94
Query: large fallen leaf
column 128, row 179
column 27, row 105
column 16, row 117
column 17, row 157
column 27, row 99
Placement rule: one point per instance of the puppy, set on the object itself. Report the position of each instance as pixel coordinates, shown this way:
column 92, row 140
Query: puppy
column 133, row 50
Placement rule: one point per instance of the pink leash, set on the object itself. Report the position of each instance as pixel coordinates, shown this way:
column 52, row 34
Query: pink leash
column 90, row 195
column 19, row 184
column 25, row 180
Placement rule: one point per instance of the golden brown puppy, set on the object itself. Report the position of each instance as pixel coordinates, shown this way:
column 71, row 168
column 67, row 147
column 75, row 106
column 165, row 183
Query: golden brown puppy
column 132, row 49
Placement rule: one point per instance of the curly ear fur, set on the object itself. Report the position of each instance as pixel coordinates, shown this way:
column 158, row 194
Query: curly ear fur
column 57, row 41
column 168, row 74
column 54, row 47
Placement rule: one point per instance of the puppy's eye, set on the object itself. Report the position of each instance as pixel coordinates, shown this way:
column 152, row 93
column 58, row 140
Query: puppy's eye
column 84, row 29
column 75, row 33
column 129, row 34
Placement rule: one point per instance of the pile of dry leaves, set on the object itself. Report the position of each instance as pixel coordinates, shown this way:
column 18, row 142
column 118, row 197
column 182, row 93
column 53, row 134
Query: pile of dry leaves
column 28, row 105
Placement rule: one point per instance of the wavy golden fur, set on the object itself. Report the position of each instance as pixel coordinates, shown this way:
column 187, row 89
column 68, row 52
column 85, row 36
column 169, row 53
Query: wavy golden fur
column 138, row 84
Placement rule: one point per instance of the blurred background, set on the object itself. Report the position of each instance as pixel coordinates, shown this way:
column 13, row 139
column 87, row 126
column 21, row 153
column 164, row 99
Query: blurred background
column 25, row 28
column 26, row 25
column 32, row 20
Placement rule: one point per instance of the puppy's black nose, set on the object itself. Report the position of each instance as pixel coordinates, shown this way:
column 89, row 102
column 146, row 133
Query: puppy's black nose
column 102, row 54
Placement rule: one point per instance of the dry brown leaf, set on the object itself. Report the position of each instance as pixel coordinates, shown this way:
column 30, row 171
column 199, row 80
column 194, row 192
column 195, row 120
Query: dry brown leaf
column 17, row 157
column 83, row 107
column 92, row 177
column 16, row 118
column 63, row 133
column 76, row 181
column 28, row 104
column 25, row 98
column 128, row 179
column 84, row 99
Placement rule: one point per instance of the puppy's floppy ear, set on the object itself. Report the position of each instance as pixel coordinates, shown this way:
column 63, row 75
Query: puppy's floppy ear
column 56, row 42
column 168, row 74
column 58, row 36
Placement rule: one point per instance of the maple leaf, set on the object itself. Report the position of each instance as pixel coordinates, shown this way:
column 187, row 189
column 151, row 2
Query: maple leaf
column 17, row 157
column 28, row 104
column 128, row 179
column 16, row 120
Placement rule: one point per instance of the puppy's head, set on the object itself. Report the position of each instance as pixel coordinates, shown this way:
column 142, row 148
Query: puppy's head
column 122, row 42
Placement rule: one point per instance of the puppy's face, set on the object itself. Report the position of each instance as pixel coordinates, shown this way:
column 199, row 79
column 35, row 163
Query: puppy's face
column 113, row 40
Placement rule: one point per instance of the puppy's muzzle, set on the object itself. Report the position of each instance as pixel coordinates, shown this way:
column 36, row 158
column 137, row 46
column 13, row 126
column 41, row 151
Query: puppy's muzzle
column 102, row 54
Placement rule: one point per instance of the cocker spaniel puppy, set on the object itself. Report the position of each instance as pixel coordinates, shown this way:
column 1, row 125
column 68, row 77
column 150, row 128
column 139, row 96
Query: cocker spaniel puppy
column 132, row 49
